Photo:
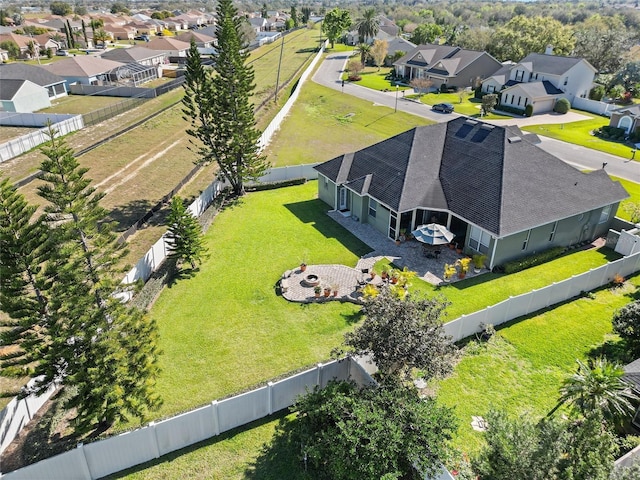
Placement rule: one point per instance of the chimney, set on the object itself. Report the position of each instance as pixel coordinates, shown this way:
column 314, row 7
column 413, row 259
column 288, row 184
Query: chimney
column 549, row 50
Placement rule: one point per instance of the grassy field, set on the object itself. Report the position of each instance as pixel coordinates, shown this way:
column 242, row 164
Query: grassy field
column 10, row 133
column 520, row 370
column 634, row 190
column 326, row 123
column 580, row 134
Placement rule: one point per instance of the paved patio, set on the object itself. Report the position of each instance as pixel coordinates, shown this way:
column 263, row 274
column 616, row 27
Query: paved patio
column 349, row 280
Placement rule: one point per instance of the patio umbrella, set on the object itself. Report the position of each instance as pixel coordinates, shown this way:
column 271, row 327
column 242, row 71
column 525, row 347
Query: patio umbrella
column 433, row 234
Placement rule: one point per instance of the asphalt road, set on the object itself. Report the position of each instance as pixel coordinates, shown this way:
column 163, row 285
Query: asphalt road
column 329, row 72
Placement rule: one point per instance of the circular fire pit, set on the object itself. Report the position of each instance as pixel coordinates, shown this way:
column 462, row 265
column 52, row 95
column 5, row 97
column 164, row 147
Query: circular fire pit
column 311, row 280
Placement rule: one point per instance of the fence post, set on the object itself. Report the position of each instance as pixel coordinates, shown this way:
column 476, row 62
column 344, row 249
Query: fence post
column 319, row 375
column 85, row 465
column 155, row 445
column 216, row 419
column 270, row 397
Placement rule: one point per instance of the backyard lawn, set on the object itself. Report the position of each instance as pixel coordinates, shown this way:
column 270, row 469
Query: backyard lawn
column 634, row 190
column 225, row 329
column 80, row 104
column 579, row 133
column 521, row 368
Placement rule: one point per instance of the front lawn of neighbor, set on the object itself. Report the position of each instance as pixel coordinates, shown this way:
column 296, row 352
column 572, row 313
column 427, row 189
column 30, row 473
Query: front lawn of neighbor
column 579, row 133
column 325, row 123
column 225, row 329
column 521, row 369
column 634, row 190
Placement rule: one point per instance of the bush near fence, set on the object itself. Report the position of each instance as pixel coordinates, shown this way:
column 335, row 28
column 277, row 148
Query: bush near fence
column 104, row 457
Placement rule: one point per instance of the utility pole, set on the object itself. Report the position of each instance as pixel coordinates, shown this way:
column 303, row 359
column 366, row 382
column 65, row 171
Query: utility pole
column 278, row 75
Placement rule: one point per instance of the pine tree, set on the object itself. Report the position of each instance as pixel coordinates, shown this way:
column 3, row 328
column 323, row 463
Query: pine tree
column 24, row 248
column 224, row 120
column 108, row 350
column 185, row 234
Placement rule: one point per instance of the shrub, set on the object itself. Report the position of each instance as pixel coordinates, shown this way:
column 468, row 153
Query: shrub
column 626, row 323
column 597, row 93
column 444, row 88
column 528, row 110
column 532, row 260
column 562, row 106
column 478, row 93
column 514, row 110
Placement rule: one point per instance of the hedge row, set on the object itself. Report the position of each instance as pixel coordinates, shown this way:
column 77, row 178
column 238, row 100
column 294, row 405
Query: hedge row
column 530, row 261
column 272, row 185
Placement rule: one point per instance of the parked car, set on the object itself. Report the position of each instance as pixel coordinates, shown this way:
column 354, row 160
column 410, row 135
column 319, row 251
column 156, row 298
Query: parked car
column 142, row 37
column 442, row 107
column 62, row 53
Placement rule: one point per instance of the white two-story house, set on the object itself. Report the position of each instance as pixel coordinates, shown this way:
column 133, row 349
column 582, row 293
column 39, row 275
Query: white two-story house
column 540, row 80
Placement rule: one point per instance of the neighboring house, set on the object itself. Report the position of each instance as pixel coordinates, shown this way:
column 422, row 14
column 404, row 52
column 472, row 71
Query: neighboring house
column 540, row 80
column 627, row 118
column 172, row 46
column 259, row 24
column 54, row 84
column 387, row 30
column 399, row 44
column 120, row 32
column 85, row 69
column 60, row 25
column 632, row 378
column 143, row 28
column 202, row 40
column 446, row 65
column 23, row 42
column 141, row 55
column 22, row 96
column 45, row 41
column 492, row 186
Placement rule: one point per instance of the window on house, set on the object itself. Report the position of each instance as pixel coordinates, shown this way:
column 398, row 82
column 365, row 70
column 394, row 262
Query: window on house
column 604, row 215
column 326, row 182
column 553, row 231
column 373, row 208
column 566, row 80
column 479, row 240
column 526, row 101
column 519, row 100
column 525, row 244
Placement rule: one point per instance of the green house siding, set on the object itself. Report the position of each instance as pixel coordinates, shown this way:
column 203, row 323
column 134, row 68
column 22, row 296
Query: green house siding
column 327, row 191
column 381, row 220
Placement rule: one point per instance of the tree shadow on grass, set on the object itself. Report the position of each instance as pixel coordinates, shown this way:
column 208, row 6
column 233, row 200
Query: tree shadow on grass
column 313, row 212
column 128, row 214
column 282, row 457
column 378, row 119
column 179, row 274
column 168, row 458
column 617, row 351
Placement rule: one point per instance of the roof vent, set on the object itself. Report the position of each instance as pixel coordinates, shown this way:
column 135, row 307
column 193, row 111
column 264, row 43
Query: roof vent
column 470, row 122
column 514, row 139
column 486, row 126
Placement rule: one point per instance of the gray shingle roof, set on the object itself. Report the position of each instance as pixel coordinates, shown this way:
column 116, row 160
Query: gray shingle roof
column 129, row 55
column 536, row 89
column 632, row 374
column 38, row 75
column 9, row 88
column 492, row 176
column 631, row 110
column 551, row 64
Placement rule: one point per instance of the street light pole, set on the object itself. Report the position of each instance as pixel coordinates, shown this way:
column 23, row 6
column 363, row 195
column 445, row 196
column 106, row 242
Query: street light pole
column 396, row 108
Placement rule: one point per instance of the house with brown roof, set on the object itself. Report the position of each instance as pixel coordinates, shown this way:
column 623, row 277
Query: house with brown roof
column 23, row 42
column 140, row 55
column 171, row 46
column 492, row 186
column 446, row 65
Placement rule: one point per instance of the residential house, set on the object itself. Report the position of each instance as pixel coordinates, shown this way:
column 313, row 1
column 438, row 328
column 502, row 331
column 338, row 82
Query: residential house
column 54, row 84
column 141, row 55
column 118, row 32
column 446, row 65
column 143, row 28
column 627, row 118
column 171, row 46
column 387, row 30
column 22, row 96
column 47, row 42
column 202, row 40
column 398, row 44
column 28, row 46
column 540, row 80
column 259, row 24
column 85, row 69
column 492, row 186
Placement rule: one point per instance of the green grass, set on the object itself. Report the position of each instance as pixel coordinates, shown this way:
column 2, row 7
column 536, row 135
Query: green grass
column 375, row 79
column 475, row 293
column 325, row 123
column 634, row 190
column 81, row 104
column 579, row 133
column 225, row 329
column 521, row 369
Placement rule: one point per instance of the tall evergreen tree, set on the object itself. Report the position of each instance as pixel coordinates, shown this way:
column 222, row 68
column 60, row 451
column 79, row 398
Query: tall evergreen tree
column 224, row 120
column 185, row 233
column 24, row 247
column 68, row 325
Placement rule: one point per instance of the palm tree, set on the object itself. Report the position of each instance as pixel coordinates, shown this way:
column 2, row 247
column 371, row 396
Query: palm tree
column 365, row 50
column 368, row 25
column 598, row 386
column 101, row 36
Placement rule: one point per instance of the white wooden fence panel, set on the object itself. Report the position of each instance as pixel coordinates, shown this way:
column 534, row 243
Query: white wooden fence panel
column 117, row 453
column 244, row 408
column 333, row 371
column 185, row 429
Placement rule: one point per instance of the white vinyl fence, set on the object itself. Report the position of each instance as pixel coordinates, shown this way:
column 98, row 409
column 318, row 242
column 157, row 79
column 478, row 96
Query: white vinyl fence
column 18, row 413
column 63, row 124
column 628, row 242
column 98, row 459
column 593, row 106
column 273, row 127
column 535, row 300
